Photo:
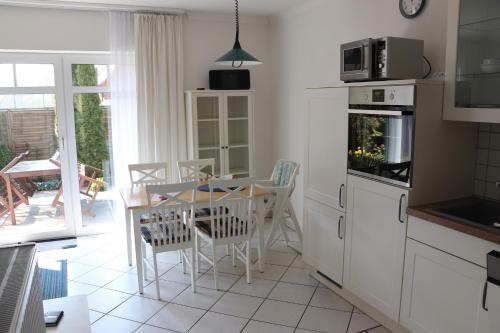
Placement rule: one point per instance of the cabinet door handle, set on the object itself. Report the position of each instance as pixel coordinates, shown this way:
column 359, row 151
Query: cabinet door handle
column 341, row 190
column 485, row 292
column 341, row 218
column 403, row 196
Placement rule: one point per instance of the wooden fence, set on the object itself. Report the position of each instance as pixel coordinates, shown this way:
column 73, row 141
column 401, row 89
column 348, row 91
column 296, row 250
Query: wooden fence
column 33, row 130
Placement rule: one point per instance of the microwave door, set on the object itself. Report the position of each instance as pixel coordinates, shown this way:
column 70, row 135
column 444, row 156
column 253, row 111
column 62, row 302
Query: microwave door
column 356, row 61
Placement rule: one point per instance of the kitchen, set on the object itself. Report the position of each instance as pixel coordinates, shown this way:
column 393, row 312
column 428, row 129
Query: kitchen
column 404, row 226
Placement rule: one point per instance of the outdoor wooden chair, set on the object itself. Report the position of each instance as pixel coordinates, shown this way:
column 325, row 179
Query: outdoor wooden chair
column 90, row 185
column 21, row 188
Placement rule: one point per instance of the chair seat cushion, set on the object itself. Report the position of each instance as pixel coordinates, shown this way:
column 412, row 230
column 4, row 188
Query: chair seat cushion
column 205, row 226
column 148, row 237
column 146, row 218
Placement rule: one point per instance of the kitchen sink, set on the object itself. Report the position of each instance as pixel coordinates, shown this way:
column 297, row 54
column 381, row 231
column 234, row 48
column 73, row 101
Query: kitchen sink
column 478, row 212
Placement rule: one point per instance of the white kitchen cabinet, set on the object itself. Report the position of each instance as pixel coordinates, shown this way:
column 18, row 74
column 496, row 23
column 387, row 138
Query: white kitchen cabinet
column 375, row 243
column 324, row 228
column 441, row 293
column 220, row 126
column 325, row 160
column 473, row 61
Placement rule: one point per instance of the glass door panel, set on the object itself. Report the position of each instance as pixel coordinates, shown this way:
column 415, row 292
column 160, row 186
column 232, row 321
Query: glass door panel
column 237, row 107
column 239, row 162
column 238, row 133
column 478, row 55
column 207, row 108
column 208, row 135
column 212, row 153
column 32, row 162
column 91, row 114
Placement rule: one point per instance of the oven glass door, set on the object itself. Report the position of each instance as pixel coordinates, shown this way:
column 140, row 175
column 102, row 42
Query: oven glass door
column 380, row 146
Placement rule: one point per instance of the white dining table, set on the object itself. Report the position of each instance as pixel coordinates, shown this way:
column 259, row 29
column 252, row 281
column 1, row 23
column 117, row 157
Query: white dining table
column 136, row 203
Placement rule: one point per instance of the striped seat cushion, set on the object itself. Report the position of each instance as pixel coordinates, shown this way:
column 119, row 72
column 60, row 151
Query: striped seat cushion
column 205, row 226
column 148, row 237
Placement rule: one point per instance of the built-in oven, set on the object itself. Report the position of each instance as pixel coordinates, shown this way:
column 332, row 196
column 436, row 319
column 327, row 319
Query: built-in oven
column 381, row 133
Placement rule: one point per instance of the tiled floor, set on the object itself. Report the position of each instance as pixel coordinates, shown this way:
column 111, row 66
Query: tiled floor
column 282, row 299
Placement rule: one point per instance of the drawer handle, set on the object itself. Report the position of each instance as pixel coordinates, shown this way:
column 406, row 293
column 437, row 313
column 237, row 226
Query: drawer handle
column 403, row 196
column 340, row 196
column 338, row 227
column 485, row 292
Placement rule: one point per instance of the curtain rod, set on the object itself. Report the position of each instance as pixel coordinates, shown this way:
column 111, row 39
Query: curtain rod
column 55, row 4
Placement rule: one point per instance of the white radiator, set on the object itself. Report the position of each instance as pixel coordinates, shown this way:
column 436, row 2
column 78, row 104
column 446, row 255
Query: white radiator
column 20, row 295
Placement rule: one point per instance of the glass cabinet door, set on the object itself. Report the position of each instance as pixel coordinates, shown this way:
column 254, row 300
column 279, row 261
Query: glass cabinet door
column 477, row 83
column 238, row 136
column 208, row 122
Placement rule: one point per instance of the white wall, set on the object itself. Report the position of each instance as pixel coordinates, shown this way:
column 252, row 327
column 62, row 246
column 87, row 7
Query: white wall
column 306, row 53
column 206, row 36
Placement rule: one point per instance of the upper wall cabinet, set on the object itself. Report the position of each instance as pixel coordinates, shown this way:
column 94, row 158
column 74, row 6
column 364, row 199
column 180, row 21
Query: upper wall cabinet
column 473, row 61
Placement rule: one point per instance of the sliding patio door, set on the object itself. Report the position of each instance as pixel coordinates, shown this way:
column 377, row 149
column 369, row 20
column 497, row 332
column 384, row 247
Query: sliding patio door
column 87, row 96
column 33, row 124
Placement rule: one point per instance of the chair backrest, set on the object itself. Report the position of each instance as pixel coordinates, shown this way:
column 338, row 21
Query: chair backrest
column 171, row 213
column 231, row 211
column 148, row 173
column 195, row 170
column 284, row 173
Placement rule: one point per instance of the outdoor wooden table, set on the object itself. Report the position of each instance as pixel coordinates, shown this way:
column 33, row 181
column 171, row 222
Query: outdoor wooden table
column 136, row 203
column 26, row 169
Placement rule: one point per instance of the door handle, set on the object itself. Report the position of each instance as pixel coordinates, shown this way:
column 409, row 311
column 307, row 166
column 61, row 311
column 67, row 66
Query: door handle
column 485, row 292
column 341, row 218
column 400, row 208
column 340, row 195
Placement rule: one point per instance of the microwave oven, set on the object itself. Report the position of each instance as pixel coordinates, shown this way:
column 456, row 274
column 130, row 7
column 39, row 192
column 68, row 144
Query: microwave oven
column 386, row 58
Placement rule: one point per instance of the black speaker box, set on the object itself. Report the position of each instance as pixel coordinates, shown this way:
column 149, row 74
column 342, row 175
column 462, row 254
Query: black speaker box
column 232, row 79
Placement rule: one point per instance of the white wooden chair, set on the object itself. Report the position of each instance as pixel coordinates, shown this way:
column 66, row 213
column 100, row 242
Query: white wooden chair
column 195, row 170
column 281, row 185
column 148, row 173
column 171, row 226
column 230, row 222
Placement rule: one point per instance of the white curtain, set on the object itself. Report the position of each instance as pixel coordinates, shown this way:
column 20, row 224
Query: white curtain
column 160, row 99
column 123, row 96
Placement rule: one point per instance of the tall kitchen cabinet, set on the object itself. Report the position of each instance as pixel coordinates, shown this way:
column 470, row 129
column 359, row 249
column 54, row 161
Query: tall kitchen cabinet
column 375, row 243
column 220, row 126
column 473, row 61
column 325, row 176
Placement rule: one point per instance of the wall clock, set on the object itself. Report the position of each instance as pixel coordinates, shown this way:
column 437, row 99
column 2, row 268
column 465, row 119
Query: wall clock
column 411, row 8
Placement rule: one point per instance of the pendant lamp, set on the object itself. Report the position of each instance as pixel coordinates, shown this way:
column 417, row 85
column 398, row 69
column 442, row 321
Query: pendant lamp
column 237, row 57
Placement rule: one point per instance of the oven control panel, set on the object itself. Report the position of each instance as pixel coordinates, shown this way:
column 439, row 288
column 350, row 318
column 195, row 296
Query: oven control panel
column 382, row 95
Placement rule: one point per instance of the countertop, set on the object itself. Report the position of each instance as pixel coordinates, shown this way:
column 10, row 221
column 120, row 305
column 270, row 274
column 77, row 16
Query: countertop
column 422, row 213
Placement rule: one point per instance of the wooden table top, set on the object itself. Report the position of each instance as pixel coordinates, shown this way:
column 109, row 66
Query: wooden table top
column 33, row 169
column 136, row 198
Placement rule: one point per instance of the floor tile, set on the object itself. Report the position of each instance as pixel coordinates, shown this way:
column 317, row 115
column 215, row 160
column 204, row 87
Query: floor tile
column 115, row 247
column 171, row 257
column 300, row 330
column 361, row 322
column 271, row 272
column 76, row 269
column 104, row 300
column 163, row 268
column 280, row 246
column 237, row 305
column 325, row 298
column 96, row 258
column 281, row 313
column 299, row 276
column 138, row 308
column 99, row 276
column 225, row 281
column 176, row 317
column 152, row 329
column 126, row 283
column 280, row 258
column 77, row 288
column 109, row 324
column 204, row 298
column 258, row 287
column 225, row 265
column 260, row 327
column 380, row 329
column 168, row 290
column 218, row 323
column 119, row 263
column 299, row 263
column 175, row 274
column 94, row 316
column 293, row 293
column 325, row 320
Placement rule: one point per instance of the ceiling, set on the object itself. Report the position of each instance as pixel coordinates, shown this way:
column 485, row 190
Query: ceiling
column 249, row 7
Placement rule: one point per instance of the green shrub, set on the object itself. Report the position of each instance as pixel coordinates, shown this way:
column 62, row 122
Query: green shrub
column 5, row 155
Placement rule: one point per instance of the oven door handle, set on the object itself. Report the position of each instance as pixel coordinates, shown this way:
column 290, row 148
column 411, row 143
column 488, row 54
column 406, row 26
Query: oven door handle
column 380, row 112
